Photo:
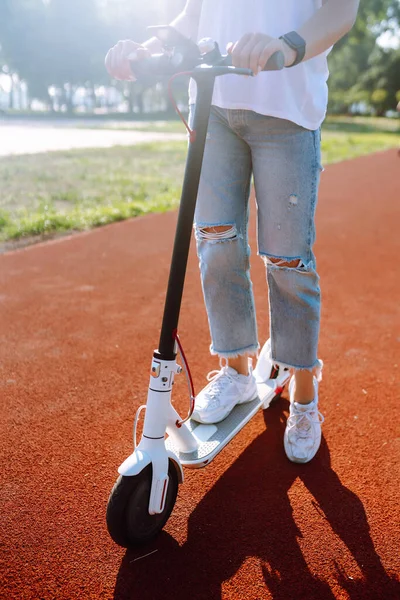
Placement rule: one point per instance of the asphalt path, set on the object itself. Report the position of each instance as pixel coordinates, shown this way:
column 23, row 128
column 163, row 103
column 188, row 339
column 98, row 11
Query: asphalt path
column 31, row 137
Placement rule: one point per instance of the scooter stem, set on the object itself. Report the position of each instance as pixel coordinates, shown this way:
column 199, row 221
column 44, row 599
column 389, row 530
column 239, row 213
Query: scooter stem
column 166, row 347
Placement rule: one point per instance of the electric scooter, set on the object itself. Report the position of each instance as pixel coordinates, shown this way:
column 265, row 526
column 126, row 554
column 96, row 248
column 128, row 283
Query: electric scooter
column 145, row 492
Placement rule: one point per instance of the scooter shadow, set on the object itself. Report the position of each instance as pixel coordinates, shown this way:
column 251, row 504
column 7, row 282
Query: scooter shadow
column 248, row 515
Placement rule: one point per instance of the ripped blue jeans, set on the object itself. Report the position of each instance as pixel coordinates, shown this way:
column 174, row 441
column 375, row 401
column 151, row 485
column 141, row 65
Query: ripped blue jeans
column 284, row 160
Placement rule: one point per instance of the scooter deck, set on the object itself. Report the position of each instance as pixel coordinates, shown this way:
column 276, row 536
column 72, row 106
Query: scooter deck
column 214, row 437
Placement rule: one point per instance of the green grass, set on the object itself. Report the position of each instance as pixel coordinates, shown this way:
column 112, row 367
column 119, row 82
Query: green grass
column 349, row 137
column 78, row 190
column 175, row 126
column 338, row 146
column 51, row 193
column 332, row 123
column 362, row 124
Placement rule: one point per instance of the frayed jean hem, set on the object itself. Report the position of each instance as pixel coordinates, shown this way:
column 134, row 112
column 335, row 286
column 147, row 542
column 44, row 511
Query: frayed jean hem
column 249, row 350
column 317, row 367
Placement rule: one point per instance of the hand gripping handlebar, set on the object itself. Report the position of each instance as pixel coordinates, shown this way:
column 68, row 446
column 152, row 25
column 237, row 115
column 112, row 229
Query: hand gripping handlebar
column 198, row 60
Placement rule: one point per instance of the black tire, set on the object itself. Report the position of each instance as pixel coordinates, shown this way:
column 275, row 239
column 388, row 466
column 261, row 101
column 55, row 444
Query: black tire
column 128, row 520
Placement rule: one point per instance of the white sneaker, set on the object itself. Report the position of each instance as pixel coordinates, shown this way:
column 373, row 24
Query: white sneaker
column 303, row 428
column 226, row 389
column 265, row 368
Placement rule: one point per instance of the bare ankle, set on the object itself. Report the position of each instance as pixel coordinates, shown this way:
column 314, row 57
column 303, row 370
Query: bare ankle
column 240, row 364
column 304, row 387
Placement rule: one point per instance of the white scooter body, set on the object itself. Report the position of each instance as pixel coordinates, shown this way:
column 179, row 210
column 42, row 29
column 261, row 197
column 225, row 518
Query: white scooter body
column 191, row 444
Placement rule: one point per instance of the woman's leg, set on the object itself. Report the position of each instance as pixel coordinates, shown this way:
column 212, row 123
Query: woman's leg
column 286, row 164
column 221, row 235
column 221, row 220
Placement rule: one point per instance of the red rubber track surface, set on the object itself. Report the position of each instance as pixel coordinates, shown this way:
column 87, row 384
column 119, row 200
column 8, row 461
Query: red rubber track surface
column 80, row 318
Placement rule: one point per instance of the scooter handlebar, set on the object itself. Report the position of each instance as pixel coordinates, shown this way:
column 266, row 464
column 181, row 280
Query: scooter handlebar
column 163, row 65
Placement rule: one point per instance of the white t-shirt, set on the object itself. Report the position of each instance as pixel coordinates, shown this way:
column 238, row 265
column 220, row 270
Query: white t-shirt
column 298, row 94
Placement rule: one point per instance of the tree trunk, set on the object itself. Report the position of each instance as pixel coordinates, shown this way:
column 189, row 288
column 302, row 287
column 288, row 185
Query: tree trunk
column 11, row 97
column 93, row 97
column 70, row 106
column 50, row 102
column 139, row 102
column 67, row 94
column 131, row 99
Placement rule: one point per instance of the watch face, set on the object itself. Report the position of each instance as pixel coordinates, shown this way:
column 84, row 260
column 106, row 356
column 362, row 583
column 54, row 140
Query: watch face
column 295, row 40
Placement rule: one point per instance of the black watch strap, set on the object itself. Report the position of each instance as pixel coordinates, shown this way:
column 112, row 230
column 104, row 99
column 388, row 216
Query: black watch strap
column 295, row 41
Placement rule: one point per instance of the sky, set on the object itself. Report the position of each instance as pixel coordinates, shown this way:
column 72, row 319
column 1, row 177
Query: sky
column 389, row 39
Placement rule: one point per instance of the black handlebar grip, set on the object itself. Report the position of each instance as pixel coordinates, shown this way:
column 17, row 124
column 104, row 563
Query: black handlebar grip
column 276, row 62
column 162, row 65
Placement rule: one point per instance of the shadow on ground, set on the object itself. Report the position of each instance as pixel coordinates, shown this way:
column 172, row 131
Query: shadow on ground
column 248, row 514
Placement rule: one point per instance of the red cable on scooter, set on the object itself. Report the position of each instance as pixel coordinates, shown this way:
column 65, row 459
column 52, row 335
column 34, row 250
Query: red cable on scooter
column 189, row 375
column 192, row 132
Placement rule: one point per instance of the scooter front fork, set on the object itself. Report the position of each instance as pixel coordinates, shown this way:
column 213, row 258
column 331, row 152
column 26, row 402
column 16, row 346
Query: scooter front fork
column 160, row 418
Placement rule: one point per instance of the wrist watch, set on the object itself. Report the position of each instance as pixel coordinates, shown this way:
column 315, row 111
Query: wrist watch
column 297, row 43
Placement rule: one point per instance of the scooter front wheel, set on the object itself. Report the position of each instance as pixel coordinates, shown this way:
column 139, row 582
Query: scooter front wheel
column 128, row 520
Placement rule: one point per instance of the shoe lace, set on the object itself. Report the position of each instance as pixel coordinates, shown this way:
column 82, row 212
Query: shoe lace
column 300, row 422
column 220, row 380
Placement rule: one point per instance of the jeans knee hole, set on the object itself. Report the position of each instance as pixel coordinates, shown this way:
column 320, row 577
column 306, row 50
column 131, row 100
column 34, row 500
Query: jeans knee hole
column 297, row 264
column 217, row 233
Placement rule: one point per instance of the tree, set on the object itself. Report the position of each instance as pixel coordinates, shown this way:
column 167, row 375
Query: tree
column 383, row 74
column 379, row 100
column 56, row 43
column 21, row 36
column 353, row 57
column 76, row 39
